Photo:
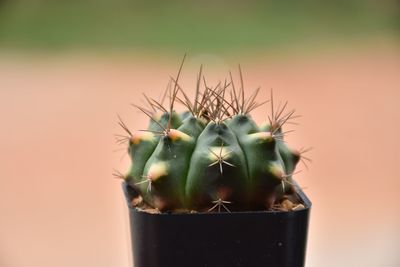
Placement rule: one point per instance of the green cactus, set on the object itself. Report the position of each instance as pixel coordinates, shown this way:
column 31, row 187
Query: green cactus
column 213, row 156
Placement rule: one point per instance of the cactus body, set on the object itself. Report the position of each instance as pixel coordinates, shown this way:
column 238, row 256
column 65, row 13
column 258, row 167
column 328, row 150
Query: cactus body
column 212, row 157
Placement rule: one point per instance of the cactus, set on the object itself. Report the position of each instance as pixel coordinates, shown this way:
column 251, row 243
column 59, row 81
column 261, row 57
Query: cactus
column 213, row 156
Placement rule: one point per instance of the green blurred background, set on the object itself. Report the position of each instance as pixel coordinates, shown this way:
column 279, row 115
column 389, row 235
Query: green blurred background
column 192, row 26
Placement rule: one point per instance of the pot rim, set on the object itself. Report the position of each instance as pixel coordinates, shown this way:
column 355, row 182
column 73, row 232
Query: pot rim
column 305, row 201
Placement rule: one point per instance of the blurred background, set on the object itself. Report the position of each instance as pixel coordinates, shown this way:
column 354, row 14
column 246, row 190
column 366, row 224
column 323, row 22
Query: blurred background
column 67, row 68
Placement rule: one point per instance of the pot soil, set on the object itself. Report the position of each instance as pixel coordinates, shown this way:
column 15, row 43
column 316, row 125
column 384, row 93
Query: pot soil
column 248, row 239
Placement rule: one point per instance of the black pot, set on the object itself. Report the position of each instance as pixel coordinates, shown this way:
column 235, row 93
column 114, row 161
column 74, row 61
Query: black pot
column 249, row 239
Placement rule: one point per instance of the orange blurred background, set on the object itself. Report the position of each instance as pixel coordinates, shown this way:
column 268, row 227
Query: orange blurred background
column 61, row 207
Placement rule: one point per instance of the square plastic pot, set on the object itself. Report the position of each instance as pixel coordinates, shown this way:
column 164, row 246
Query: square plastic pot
column 248, row 239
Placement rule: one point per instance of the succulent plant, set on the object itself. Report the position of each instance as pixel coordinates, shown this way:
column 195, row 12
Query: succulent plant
column 213, row 156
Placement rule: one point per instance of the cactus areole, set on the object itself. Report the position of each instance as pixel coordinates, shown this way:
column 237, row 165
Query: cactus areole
column 210, row 180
